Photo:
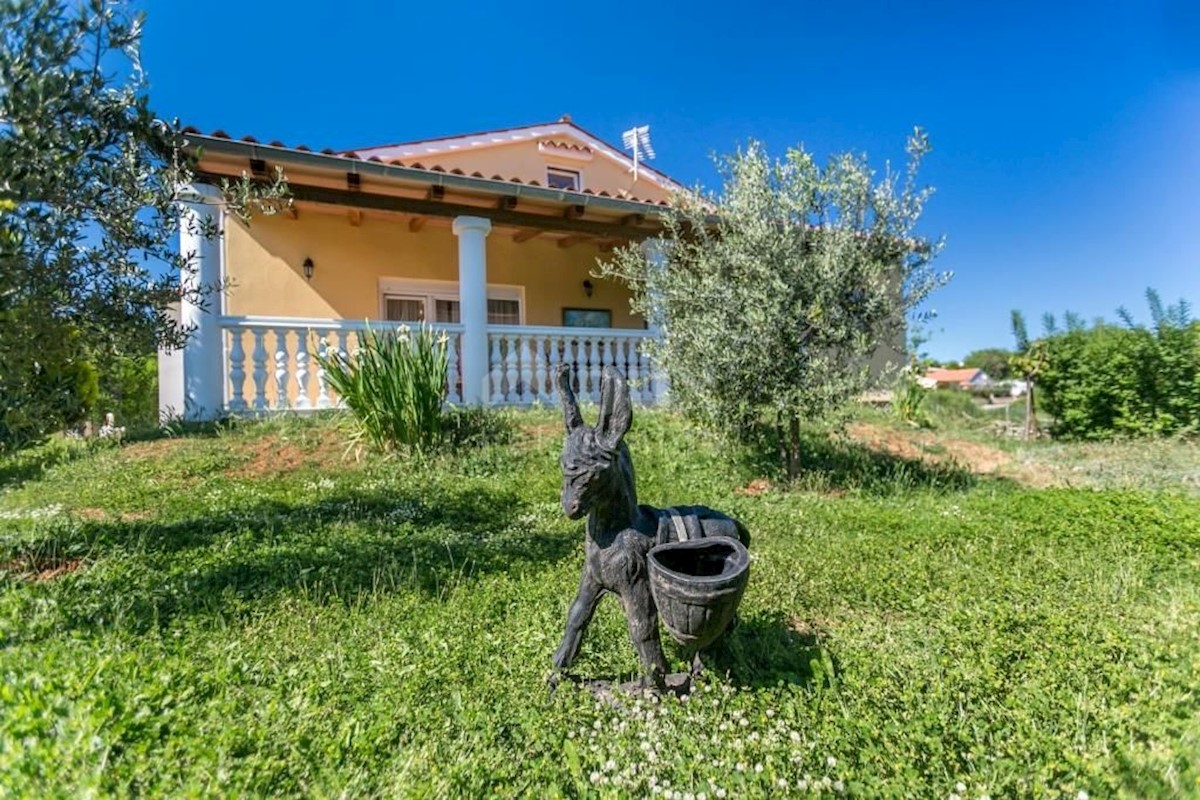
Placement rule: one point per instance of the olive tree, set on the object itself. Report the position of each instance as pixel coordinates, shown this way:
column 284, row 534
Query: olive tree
column 90, row 183
column 774, row 295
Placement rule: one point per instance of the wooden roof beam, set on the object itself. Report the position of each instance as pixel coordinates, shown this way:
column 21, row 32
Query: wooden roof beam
column 416, row 223
column 526, row 235
column 571, row 241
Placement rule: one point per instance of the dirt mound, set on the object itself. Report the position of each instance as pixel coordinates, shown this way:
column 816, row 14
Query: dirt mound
column 935, row 448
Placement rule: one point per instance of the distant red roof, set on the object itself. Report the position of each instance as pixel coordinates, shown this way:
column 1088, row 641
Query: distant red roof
column 953, row 376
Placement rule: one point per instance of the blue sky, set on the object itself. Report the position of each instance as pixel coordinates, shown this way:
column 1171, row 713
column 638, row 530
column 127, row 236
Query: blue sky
column 1066, row 135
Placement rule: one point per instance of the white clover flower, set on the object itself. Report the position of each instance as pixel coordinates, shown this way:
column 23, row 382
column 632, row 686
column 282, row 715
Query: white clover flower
column 596, row 724
column 1083, row 795
column 782, row 783
column 795, row 737
column 758, row 768
column 610, row 765
column 770, row 713
column 802, row 785
column 954, row 796
column 839, row 786
column 719, row 792
column 831, row 761
column 740, row 767
column 960, row 787
column 595, row 777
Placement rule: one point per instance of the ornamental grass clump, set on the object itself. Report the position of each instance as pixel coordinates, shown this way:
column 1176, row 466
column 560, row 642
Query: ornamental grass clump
column 394, row 385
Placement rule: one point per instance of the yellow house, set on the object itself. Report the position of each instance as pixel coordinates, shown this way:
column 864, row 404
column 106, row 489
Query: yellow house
column 490, row 237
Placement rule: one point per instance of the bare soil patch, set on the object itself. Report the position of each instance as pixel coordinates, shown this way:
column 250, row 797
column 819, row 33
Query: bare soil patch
column 273, row 455
column 155, row 448
column 39, row 570
column 934, row 448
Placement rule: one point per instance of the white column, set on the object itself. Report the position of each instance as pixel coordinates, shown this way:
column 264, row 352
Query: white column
column 656, row 254
column 472, row 297
column 203, row 353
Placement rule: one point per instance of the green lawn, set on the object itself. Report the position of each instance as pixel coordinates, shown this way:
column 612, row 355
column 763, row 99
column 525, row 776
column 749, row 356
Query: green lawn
column 251, row 611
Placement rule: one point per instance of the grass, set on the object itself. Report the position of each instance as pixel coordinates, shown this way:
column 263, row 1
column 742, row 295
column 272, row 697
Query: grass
column 248, row 611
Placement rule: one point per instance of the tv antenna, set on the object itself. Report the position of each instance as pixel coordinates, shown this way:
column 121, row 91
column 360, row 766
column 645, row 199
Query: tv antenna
column 638, row 140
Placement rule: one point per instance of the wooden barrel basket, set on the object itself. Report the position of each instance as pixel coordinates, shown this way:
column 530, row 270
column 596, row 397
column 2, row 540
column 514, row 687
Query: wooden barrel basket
column 697, row 585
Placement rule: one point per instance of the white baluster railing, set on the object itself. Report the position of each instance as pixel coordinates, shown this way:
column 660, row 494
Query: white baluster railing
column 523, row 361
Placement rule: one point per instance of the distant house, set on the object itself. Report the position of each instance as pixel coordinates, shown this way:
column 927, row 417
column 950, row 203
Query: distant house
column 969, row 378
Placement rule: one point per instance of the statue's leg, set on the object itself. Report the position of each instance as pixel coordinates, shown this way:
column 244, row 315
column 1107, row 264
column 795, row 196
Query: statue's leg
column 642, row 616
column 577, row 620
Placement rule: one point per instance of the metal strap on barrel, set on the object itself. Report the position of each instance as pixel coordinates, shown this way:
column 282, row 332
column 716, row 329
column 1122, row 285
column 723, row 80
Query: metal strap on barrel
column 677, row 521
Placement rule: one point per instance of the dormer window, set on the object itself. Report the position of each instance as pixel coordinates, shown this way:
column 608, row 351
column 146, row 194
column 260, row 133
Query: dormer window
column 558, row 178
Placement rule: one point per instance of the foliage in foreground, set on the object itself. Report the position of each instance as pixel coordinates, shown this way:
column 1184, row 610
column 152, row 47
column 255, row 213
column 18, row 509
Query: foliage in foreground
column 774, row 295
column 394, row 385
column 243, row 612
column 91, row 188
column 1105, row 380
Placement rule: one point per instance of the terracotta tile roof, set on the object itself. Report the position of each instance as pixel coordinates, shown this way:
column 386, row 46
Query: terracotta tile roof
column 354, row 156
column 952, row 375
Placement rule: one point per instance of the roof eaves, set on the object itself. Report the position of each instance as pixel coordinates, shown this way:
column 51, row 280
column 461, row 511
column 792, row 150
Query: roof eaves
column 220, row 142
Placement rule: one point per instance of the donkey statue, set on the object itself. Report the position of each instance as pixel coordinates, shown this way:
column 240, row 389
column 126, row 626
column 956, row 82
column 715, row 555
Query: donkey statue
column 598, row 482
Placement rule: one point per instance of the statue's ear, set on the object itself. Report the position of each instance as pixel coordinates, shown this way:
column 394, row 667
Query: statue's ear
column 616, row 410
column 572, row 419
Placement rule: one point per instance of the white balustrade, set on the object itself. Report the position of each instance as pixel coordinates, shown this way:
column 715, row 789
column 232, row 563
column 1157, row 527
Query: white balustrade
column 523, row 365
column 237, row 370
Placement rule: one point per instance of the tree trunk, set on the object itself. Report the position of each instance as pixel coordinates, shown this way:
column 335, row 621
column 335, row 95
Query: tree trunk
column 793, row 461
column 1030, row 423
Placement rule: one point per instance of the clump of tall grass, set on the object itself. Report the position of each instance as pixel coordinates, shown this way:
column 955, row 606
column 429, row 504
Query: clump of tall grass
column 394, row 385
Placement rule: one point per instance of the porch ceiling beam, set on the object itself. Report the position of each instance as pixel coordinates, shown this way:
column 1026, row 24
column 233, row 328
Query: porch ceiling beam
column 571, row 241
column 633, row 219
column 355, row 216
column 436, row 192
column 433, row 208
column 573, row 212
column 416, row 223
column 507, row 203
column 525, row 235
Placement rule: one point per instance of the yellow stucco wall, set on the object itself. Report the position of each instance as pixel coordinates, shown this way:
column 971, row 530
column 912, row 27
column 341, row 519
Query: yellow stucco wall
column 263, row 266
column 525, row 161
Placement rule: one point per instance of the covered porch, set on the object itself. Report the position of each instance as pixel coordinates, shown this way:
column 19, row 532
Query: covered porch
column 483, row 262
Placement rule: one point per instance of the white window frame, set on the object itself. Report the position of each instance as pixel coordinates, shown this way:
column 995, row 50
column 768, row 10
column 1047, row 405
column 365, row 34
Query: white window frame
column 431, row 291
column 577, row 173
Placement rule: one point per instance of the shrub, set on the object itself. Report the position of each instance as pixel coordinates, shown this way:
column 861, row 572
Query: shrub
column 951, row 405
column 394, row 385
column 129, row 389
column 1109, row 380
column 908, row 399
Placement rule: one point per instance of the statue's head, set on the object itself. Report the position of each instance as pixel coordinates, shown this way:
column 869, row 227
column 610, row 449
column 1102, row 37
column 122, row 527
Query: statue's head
column 595, row 461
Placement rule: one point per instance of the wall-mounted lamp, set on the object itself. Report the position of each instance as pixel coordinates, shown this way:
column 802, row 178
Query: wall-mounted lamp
column 308, row 268
column 587, row 288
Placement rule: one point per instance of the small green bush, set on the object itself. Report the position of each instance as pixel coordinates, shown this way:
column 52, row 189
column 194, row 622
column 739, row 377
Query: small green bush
column 129, row 389
column 1130, row 380
column 394, row 385
column 951, row 404
column 908, row 400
